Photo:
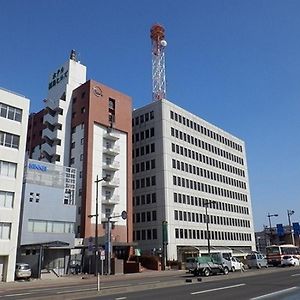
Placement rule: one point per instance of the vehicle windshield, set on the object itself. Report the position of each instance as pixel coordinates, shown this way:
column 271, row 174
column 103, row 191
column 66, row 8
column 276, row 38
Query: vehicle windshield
column 23, row 267
column 273, row 250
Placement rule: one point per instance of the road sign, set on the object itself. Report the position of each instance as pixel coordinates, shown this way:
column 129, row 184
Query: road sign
column 102, row 255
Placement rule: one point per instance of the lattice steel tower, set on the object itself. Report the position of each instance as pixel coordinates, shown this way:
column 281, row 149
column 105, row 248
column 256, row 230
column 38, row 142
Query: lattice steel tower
column 158, row 62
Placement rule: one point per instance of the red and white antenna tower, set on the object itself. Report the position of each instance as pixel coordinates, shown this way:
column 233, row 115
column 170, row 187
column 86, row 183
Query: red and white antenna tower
column 158, row 62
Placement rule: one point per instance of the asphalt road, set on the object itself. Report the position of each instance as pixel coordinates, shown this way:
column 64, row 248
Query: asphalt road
column 273, row 283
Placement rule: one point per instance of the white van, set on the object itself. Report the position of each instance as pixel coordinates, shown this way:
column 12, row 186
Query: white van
column 233, row 264
column 256, row 260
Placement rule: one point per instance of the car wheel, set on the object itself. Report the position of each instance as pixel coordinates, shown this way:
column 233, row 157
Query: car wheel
column 206, row 272
column 226, row 271
column 233, row 269
column 266, row 266
column 258, row 266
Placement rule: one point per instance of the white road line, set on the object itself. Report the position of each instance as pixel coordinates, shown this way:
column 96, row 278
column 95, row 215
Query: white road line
column 295, row 275
column 12, row 295
column 218, row 289
column 149, row 282
column 121, row 298
column 275, row 293
column 73, row 291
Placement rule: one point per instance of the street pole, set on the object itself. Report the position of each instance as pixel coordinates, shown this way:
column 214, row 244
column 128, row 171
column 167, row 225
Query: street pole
column 207, row 229
column 270, row 226
column 108, row 245
column 96, row 236
column 289, row 213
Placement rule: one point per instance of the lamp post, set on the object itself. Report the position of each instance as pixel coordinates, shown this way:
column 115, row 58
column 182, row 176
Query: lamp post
column 289, row 213
column 270, row 226
column 96, row 230
column 206, row 203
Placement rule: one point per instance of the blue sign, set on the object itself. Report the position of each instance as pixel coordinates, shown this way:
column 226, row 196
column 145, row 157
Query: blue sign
column 280, row 230
column 37, row 167
column 296, row 228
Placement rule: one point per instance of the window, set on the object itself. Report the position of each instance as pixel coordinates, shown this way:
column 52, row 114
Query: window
column 9, row 140
column 37, row 198
column 5, row 229
column 152, row 131
column 8, row 169
column 6, row 199
column 10, row 112
column 151, row 115
column 31, row 196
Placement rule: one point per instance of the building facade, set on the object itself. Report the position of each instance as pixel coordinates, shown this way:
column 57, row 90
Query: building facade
column 184, row 167
column 14, row 110
column 87, row 126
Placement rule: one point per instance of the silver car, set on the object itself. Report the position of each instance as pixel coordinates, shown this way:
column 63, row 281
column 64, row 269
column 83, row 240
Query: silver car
column 23, row 271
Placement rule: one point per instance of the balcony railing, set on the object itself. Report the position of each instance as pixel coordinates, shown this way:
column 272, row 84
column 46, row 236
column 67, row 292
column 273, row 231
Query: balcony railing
column 111, row 134
column 111, row 149
column 113, row 183
column 111, row 200
column 111, row 166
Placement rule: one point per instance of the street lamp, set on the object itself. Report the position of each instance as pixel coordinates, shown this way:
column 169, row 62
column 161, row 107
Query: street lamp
column 270, row 216
column 289, row 213
column 96, row 230
column 206, row 203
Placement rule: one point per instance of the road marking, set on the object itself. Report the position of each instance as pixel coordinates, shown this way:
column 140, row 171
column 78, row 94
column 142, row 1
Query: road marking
column 295, row 275
column 149, row 282
column 217, row 289
column 72, row 291
column 12, row 295
column 275, row 293
column 121, row 298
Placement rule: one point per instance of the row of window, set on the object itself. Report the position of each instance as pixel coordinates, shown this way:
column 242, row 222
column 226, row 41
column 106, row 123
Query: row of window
column 144, row 199
column 207, row 160
column 194, row 234
column 50, row 226
column 205, row 131
column 6, row 199
column 144, row 182
column 197, row 201
column 5, row 231
column 207, row 188
column 143, row 118
column 9, row 140
column 143, row 166
column 10, row 112
column 185, row 167
column 206, row 146
column 145, row 216
column 144, row 150
column 188, row 216
column 145, row 234
column 8, row 169
column 140, row 136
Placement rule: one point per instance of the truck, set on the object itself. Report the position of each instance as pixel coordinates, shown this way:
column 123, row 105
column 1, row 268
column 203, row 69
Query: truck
column 207, row 265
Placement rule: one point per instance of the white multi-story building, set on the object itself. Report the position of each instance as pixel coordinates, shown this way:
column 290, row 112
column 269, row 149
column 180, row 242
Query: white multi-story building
column 13, row 129
column 184, row 167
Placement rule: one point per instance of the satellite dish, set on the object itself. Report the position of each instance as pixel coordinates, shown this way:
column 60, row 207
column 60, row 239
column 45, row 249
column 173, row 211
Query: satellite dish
column 163, row 43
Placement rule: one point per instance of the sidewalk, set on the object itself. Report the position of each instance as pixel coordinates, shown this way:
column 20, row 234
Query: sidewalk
column 86, row 278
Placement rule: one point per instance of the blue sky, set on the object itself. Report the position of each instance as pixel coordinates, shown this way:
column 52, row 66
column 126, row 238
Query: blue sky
column 235, row 63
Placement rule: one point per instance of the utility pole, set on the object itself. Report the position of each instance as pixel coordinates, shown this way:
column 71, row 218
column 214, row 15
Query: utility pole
column 270, row 226
column 289, row 213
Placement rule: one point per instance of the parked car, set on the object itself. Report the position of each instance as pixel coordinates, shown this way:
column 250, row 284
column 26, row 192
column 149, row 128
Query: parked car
column 290, row 260
column 23, row 271
column 233, row 264
column 256, row 260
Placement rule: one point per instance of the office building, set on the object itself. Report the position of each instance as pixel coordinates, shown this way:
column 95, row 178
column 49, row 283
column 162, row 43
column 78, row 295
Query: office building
column 184, row 167
column 13, row 127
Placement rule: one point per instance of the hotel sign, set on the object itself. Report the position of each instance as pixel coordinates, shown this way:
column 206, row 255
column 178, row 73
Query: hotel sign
column 58, row 77
column 38, row 167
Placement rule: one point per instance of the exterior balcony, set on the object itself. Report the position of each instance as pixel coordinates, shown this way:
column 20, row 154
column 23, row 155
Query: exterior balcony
column 111, row 200
column 111, row 150
column 111, row 134
column 111, row 166
column 113, row 183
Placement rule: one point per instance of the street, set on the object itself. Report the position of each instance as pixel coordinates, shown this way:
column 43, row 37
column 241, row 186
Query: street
column 272, row 283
